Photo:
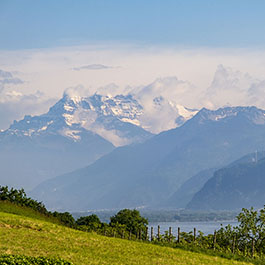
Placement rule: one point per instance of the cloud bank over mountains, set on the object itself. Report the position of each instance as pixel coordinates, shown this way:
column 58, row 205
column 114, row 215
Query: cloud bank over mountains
column 14, row 104
column 7, row 78
column 165, row 99
column 164, row 81
column 231, row 87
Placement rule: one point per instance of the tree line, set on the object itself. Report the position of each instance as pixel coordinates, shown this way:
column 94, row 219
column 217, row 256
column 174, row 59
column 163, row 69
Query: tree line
column 245, row 240
column 126, row 223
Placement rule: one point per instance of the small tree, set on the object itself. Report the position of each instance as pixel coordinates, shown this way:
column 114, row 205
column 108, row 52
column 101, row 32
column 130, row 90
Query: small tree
column 252, row 227
column 92, row 222
column 66, row 218
column 131, row 219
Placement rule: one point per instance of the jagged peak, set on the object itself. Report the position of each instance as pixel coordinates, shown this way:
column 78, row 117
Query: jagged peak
column 252, row 113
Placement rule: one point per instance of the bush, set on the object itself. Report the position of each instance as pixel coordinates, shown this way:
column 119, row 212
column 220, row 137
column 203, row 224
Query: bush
column 91, row 222
column 20, row 197
column 65, row 218
column 26, row 260
column 132, row 221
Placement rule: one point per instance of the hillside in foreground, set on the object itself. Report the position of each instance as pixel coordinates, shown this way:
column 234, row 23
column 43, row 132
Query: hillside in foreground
column 35, row 237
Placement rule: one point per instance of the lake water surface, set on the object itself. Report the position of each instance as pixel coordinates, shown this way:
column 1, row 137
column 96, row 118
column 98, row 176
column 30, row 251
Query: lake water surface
column 205, row 227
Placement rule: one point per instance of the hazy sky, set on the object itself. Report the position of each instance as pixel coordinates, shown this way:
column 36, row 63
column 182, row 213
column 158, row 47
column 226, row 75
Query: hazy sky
column 49, row 46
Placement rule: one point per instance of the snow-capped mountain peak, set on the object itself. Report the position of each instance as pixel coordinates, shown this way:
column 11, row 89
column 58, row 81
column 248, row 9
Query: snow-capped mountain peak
column 252, row 114
column 120, row 119
column 116, row 119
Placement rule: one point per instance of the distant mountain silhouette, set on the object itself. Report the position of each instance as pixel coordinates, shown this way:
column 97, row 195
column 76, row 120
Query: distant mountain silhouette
column 148, row 174
column 241, row 184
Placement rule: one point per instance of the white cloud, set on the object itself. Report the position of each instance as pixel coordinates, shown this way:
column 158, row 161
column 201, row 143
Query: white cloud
column 190, row 72
column 14, row 106
column 4, row 74
column 256, row 94
column 7, row 79
column 170, row 88
column 162, row 101
column 77, row 92
column 110, row 135
column 232, row 87
column 50, row 70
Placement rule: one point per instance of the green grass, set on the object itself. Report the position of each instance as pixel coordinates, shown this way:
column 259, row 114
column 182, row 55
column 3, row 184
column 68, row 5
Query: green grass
column 36, row 236
column 8, row 207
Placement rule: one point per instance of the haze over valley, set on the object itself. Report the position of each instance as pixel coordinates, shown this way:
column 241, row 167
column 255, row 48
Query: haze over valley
column 97, row 117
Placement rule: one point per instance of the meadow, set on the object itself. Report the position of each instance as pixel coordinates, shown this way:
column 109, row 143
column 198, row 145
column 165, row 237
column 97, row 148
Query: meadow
column 26, row 232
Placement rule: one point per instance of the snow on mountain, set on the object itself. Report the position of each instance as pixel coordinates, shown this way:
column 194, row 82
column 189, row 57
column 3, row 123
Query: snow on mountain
column 113, row 118
column 123, row 119
column 120, row 119
column 162, row 103
column 75, row 132
column 252, row 114
column 44, row 146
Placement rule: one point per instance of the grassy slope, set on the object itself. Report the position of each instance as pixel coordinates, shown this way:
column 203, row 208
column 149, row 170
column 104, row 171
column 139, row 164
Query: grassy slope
column 36, row 237
column 8, row 207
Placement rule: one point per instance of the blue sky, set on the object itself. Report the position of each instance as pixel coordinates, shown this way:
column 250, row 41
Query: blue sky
column 220, row 23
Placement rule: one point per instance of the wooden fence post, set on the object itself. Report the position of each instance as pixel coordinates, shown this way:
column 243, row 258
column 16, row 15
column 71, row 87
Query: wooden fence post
column 158, row 232
column 170, row 233
column 194, row 234
column 178, row 234
column 146, row 233
column 152, row 233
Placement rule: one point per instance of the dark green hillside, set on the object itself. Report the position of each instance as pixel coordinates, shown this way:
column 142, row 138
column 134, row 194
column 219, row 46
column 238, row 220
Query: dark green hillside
column 241, row 185
column 187, row 190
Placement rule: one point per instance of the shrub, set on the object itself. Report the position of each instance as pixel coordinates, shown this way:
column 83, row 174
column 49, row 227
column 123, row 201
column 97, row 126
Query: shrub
column 26, row 260
column 131, row 220
column 91, row 222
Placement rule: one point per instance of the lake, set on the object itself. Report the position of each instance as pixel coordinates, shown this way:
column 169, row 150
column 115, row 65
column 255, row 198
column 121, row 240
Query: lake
column 206, row 227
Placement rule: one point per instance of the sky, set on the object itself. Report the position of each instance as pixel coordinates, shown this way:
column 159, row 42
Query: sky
column 48, row 46
column 221, row 23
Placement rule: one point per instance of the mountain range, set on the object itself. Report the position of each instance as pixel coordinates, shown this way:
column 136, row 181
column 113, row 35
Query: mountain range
column 149, row 173
column 74, row 133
